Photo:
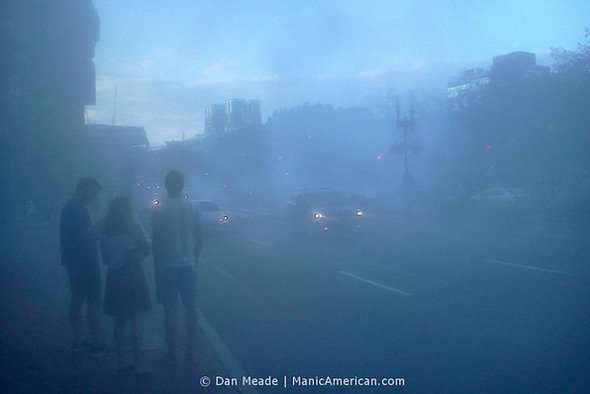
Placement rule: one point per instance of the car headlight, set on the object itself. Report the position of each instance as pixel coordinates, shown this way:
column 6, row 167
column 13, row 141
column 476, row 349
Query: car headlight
column 318, row 215
column 359, row 213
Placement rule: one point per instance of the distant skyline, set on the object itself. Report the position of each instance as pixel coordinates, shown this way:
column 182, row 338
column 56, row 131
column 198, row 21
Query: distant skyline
column 168, row 62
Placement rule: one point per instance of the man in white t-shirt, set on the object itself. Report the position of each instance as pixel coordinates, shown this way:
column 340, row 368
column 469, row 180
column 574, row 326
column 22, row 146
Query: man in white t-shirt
column 176, row 248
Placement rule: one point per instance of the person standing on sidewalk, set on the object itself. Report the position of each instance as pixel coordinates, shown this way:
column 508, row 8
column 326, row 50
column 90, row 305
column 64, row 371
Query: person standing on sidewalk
column 176, row 245
column 79, row 255
column 124, row 246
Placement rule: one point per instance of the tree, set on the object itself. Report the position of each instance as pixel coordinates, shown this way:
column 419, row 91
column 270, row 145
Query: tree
column 573, row 62
column 532, row 133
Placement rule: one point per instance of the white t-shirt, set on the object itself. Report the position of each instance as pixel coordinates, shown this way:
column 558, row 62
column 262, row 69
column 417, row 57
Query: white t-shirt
column 176, row 233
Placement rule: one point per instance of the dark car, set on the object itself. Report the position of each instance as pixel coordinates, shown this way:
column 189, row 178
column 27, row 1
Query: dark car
column 314, row 211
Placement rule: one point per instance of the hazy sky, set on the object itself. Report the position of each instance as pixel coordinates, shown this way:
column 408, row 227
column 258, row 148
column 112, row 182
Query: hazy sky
column 169, row 59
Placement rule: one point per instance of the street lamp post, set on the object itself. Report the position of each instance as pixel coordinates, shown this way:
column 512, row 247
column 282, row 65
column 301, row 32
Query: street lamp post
column 404, row 124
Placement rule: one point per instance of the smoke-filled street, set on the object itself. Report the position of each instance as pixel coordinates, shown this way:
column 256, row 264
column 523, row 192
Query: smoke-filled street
column 446, row 307
column 449, row 308
column 294, row 196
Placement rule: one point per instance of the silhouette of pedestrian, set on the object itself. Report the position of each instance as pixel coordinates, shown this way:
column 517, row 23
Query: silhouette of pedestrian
column 124, row 246
column 176, row 247
column 79, row 254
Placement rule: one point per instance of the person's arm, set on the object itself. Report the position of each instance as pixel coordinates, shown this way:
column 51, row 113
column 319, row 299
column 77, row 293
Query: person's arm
column 95, row 231
column 156, row 238
column 78, row 224
column 65, row 236
column 198, row 236
column 143, row 243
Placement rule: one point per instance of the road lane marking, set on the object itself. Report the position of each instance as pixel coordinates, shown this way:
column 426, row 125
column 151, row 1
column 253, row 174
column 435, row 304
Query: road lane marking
column 224, row 273
column 227, row 358
column 257, row 242
column 382, row 286
column 530, row 267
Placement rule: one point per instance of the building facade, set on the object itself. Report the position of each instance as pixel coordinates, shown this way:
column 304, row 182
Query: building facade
column 234, row 115
column 516, row 65
column 48, row 77
column 506, row 68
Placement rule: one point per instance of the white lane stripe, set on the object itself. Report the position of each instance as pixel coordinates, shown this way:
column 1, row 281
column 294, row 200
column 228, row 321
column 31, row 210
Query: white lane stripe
column 382, row 286
column 225, row 355
column 257, row 242
column 224, row 273
column 530, row 267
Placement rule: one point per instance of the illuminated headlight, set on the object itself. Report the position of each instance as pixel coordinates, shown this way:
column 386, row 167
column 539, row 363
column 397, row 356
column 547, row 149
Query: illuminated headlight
column 224, row 218
column 318, row 215
column 155, row 202
column 359, row 213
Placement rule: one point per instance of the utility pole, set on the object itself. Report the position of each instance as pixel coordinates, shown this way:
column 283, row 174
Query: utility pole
column 113, row 123
column 404, row 124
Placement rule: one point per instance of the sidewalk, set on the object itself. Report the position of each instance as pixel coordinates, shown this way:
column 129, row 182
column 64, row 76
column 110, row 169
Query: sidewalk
column 34, row 331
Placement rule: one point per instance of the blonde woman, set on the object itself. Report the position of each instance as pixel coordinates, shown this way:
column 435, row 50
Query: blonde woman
column 124, row 246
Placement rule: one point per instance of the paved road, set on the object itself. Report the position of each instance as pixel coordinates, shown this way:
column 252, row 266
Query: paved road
column 449, row 308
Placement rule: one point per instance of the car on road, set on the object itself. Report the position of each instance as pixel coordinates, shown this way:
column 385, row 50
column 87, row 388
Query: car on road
column 322, row 210
column 214, row 220
column 498, row 197
column 500, row 204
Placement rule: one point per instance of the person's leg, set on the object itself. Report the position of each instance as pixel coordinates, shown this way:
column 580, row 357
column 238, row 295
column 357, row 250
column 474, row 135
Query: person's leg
column 120, row 326
column 167, row 291
column 170, row 329
column 75, row 315
column 191, row 331
column 77, row 300
column 188, row 291
column 93, row 317
column 137, row 340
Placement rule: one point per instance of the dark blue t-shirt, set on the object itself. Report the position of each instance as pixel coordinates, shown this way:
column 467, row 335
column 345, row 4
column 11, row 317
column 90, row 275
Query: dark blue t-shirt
column 76, row 247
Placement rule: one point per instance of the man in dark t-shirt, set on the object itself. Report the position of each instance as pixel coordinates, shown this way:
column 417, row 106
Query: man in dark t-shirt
column 79, row 255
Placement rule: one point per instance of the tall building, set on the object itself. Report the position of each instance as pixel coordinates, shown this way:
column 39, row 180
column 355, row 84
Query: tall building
column 242, row 113
column 513, row 62
column 253, row 115
column 47, row 78
column 214, row 118
column 517, row 65
column 467, row 87
column 234, row 114
column 507, row 68
column 470, row 80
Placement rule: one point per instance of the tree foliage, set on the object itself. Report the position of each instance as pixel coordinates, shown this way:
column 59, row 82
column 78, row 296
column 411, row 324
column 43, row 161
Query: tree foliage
column 531, row 133
column 573, row 62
